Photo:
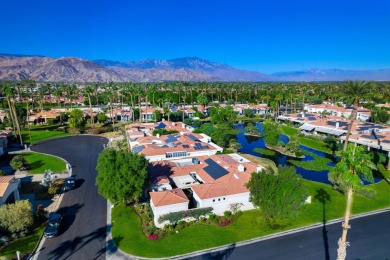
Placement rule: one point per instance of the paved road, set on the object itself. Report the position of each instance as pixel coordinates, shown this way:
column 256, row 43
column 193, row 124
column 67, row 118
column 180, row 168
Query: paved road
column 369, row 238
column 85, row 211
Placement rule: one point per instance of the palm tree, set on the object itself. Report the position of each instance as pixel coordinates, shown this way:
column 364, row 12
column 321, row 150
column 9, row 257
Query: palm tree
column 10, row 91
column 89, row 91
column 355, row 163
column 355, row 90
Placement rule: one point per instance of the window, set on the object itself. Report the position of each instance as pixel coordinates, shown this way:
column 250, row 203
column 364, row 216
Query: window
column 224, row 198
column 219, row 199
column 175, row 154
column 213, row 200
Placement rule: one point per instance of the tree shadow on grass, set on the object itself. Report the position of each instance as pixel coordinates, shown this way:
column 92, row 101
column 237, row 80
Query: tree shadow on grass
column 323, row 197
column 36, row 165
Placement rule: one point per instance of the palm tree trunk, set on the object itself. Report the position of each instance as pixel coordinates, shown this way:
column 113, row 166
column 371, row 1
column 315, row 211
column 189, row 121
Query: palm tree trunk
column 90, row 109
column 342, row 250
column 353, row 118
column 11, row 115
column 17, row 123
column 28, row 120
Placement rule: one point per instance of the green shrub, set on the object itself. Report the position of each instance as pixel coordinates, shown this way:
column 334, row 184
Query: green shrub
column 212, row 217
column 174, row 217
column 227, row 214
column 366, row 193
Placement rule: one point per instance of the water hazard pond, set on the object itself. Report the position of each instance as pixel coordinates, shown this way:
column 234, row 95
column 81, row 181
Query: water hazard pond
column 315, row 166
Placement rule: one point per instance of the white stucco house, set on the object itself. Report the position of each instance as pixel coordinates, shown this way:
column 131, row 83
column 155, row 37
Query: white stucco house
column 163, row 202
column 8, row 187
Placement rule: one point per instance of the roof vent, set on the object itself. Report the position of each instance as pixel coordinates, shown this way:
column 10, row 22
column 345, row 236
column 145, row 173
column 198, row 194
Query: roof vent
column 195, row 160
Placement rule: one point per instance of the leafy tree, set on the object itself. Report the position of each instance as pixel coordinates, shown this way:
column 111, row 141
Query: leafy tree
column 271, row 131
column 332, row 143
column 202, row 100
column 163, row 131
column 280, row 196
column 234, row 145
column 102, row 118
column 355, row 163
column 220, row 115
column 252, row 129
column 18, row 162
column 76, row 119
column 121, row 175
column 16, row 217
column 2, row 173
column 354, row 91
column 249, row 112
column 157, row 115
column 380, row 116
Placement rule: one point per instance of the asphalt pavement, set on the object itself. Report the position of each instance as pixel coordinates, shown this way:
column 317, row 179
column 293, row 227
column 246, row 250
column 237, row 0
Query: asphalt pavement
column 83, row 233
column 369, row 240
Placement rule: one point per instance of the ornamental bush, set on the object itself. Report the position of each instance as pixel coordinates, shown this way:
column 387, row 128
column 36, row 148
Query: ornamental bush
column 174, row 217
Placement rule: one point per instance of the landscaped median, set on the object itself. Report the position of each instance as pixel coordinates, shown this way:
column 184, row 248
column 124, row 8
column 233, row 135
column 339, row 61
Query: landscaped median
column 127, row 233
column 39, row 163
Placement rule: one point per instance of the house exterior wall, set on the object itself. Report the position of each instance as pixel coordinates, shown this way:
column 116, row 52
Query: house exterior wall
column 158, row 211
column 12, row 187
column 222, row 204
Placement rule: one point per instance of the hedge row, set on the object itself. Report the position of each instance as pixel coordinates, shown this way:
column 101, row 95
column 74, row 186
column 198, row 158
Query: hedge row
column 174, row 217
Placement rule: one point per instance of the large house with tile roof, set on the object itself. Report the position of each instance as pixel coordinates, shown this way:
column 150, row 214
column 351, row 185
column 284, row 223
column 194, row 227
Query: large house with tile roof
column 216, row 181
column 8, row 186
column 363, row 114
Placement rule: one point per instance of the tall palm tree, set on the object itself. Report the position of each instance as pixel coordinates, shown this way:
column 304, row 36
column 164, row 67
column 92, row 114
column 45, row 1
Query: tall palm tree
column 355, row 164
column 10, row 91
column 355, row 90
column 89, row 91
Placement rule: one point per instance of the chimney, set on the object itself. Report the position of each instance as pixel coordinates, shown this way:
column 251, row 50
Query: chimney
column 337, row 125
column 241, row 168
column 158, row 135
column 173, row 123
column 303, row 115
column 183, row 125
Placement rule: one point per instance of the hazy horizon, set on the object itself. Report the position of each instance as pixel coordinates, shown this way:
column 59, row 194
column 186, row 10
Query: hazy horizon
column 253, row 35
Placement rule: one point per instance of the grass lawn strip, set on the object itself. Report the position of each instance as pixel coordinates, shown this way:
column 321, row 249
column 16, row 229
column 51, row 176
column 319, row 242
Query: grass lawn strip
column 128, row 236
column 262, row 161
column 317, row 164
column 24, row 245
column 40, row 162
column 265, row 151
column 316, row 144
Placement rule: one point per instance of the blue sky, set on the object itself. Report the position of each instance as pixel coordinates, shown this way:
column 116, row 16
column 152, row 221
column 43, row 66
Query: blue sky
column 266, row 36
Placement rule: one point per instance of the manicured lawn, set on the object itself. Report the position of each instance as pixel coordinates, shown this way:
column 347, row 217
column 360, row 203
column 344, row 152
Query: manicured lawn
column 128, row 236
column 40, row 162
column 42, row 132
column 288, row 130
column 265, row 151
column 317, row 164
column 262, row 161
column 316, row 144
column 24, row 245
column 382, row 169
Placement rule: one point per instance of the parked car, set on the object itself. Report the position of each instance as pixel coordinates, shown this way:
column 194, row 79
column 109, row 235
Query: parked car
column 53, row 225
column 70, row 183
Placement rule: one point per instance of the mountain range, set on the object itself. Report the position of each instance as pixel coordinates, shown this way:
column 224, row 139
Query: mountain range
column 72, row 69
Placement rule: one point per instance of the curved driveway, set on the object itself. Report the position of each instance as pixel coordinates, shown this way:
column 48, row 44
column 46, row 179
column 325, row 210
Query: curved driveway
column 84, row 211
